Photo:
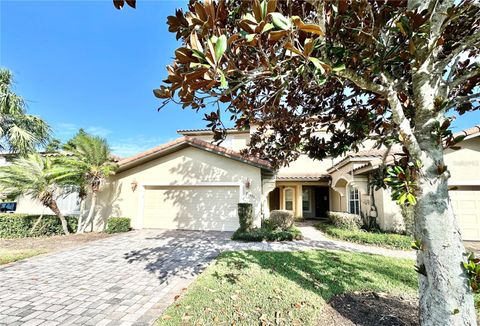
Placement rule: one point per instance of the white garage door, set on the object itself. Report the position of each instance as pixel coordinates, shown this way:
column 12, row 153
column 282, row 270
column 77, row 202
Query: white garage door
column 191, row 207
column 466, row 205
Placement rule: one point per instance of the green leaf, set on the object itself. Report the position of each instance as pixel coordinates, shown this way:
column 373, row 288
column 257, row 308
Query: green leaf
column 318, row 64
column 322, row 80
column 267, row 27
column 223, row 80
column 411, row 199
column 263, row 8
column 280, row 21
column 338, row 67
column 250, row 17
column 402, row 199
column 199, row 55
column 250, row 37
column 220, row 47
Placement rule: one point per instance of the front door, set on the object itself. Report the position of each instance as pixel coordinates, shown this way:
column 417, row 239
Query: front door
column 274, row 199
column 321, row 201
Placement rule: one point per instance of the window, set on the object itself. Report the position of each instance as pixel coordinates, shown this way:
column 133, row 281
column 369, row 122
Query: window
column 354, row 201
column 306, row 199
column 288, row 195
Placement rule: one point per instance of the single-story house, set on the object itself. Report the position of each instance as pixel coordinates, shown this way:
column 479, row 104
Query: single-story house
column 190, row 183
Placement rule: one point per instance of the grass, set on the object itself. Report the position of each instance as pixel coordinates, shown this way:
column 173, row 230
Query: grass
column 11, row 255
column 252, row 287
column 387, row 240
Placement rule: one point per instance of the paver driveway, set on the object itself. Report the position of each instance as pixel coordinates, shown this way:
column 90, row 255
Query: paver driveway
column 123, row 280
column 130, row 278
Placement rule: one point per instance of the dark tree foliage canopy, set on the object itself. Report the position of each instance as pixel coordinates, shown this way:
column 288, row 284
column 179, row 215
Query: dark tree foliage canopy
column 390, row 71
column 293, row 67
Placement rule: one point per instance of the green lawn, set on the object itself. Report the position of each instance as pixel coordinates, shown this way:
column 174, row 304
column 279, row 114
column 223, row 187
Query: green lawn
column 252, row 288
column 11, row 255
column 388, row 240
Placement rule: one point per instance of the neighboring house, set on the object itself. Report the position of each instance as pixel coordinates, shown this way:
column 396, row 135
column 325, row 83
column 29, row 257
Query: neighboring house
column 192, row 184
column 69, row 204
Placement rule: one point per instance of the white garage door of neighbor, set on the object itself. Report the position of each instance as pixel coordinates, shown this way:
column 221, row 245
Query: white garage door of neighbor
column 466, row 205
column 191, row 207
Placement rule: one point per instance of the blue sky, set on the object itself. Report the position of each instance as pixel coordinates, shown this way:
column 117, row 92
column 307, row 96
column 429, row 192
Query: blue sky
column 85, row 64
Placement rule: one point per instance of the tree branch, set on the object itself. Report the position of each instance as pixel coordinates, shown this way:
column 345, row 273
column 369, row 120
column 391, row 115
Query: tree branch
column 462, row 99
column 398, row 116
column 362, row 82
column 470, row 41
column 464, row 78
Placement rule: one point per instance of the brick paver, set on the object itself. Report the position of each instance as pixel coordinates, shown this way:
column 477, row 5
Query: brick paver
column 128, row 279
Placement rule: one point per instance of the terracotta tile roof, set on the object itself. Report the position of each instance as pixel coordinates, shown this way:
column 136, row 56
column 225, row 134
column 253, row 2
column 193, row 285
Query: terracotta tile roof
column 305, row 177
column 208, row 131
column 468, row 132
column 198, row 143
column 367, row 154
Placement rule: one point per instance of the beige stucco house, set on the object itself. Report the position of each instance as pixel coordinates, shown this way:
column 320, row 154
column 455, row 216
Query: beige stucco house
column 192, row 184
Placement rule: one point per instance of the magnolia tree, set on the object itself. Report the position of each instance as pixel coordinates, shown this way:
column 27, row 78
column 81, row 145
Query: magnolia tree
column 391, row 71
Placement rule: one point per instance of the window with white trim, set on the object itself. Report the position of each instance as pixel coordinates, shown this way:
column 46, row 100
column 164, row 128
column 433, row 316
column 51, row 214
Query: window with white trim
column 288, row 199
column 354, row 201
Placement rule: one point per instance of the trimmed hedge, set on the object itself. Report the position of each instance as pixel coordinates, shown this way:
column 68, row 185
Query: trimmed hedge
column 245, row 216
column 345, row 220
column 381, row 239
column 281, row 219
column 118, row 224
column 265, row 234
column 20, row 225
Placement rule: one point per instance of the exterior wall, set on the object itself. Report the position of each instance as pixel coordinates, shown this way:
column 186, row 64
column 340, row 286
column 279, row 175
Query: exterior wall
column 464, row 164
column 305, row 165
column 188, row 166
column 342, row 180
column 233, row 141
column 68, row 205
column 389, row 216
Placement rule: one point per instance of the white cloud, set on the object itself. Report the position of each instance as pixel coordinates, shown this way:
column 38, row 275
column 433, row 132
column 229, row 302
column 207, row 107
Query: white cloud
column 98, row 131
column 66, row 130
column 123, row 147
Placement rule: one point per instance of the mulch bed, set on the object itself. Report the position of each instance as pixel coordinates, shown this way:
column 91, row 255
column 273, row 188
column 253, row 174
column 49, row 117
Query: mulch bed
column 370, row 309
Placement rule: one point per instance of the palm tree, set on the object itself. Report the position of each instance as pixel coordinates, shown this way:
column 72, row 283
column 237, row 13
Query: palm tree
column 88, row 164
column 19, row 132
column 31, row 176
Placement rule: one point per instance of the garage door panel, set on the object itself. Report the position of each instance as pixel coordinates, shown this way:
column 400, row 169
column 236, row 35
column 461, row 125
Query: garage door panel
column 191, row 207
column 466, row 205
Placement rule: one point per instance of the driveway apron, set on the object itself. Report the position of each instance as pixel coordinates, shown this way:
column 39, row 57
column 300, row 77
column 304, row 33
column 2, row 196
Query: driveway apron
column 127, row 279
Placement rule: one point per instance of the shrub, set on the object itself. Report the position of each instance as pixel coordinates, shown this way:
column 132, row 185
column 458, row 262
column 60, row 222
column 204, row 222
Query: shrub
column 245, row 216
column 281, row 219
column 345, row 220
column 264, row 234
column 381, row 239
column 118, row 224
column 20, row 225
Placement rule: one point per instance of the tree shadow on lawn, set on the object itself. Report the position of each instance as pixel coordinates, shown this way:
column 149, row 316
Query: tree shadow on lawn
column 343, row 280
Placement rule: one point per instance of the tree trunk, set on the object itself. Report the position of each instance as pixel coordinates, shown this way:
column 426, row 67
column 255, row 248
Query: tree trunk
column 445, row 295
column 36, row 223
column 53, row 206
column 89, row 218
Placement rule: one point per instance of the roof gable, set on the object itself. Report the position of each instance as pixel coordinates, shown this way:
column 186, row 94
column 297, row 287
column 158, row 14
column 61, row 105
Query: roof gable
column 184, row 142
